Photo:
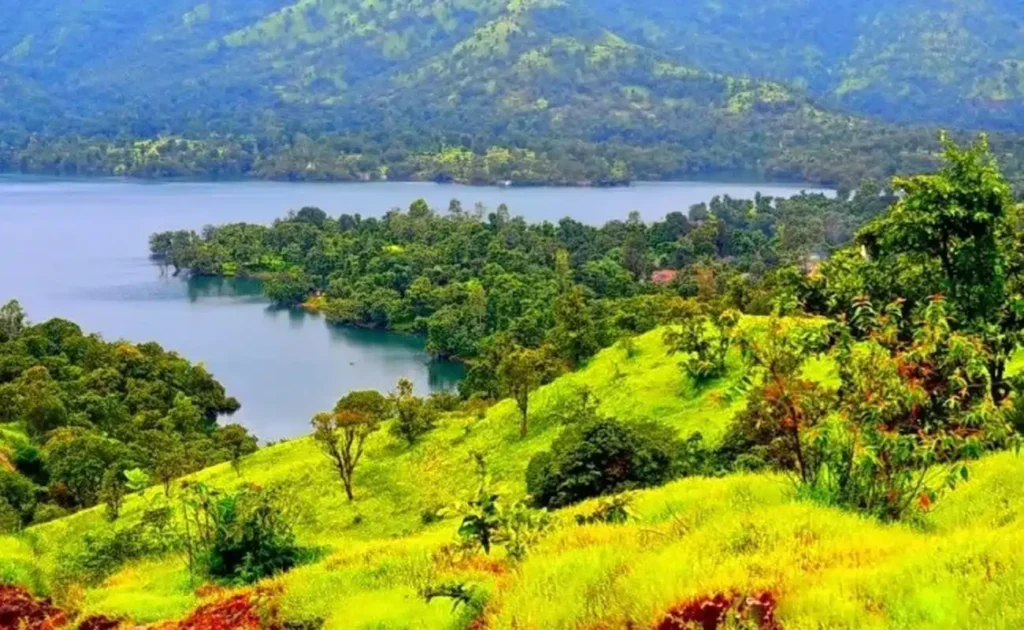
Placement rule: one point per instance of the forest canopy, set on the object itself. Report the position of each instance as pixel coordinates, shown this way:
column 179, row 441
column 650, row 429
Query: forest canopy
column 92, row 411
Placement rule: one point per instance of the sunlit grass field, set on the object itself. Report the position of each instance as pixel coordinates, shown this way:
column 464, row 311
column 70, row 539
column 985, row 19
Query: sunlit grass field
column 960, row 567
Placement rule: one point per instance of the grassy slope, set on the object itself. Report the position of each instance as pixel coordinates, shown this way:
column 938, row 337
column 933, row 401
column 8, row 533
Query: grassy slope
column 693, row 537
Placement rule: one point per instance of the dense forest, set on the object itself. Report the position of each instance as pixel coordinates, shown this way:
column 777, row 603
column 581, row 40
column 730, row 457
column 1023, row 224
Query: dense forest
column 96, row 420
column 475, row 282
column 489, row 92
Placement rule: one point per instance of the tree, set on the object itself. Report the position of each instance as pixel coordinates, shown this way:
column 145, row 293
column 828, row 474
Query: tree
column 414, row 417
column 168, row 457
column 574, row 336
column 342, row 434
column 41, row 405
column 312, row 215
column 951, row 226
column 112, row 491
column 783, row 407
column 238, row 442
column 703, row 339
column 602, row 456
column 12, row 321
column 77, row 462
column 519, row 373
column 289, row 288
column 634, row 249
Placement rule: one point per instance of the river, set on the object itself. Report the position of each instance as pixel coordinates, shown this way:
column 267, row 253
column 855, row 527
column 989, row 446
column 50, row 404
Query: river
column 79, row 250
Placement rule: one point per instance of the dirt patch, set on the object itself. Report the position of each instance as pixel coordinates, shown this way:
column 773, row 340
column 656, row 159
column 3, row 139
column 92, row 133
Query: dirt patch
column 98, row 622
column 19, row 610
column 234, row 613
column 722, row 611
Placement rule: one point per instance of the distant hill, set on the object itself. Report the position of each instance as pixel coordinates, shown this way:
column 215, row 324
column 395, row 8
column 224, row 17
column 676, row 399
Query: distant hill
column 606, row 90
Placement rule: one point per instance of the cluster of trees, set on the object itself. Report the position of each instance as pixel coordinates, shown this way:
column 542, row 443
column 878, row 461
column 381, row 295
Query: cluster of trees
column 479, row 285
column 101, row 418
column 924, row 314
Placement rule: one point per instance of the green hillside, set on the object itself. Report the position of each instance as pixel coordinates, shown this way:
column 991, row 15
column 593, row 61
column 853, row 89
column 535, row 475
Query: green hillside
column 742, row 533
column 533, row 91
column 946, row 61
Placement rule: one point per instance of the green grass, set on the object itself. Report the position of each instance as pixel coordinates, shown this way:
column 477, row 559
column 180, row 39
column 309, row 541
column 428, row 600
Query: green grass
column 690, row 538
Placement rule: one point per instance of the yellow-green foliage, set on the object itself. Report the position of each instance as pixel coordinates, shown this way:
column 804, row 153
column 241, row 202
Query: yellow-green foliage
column 957, row 569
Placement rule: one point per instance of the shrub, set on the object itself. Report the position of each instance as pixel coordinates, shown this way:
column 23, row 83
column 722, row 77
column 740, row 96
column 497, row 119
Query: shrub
column 414, row 417
column 239, row 538
column 20, row 494
column 104, row 551
column 613, row 510
column 10, row 519
column 29, row 461
column 47, row 512
column 488, row 521
column 600, row 457
column 577, row 404
column 703, row 339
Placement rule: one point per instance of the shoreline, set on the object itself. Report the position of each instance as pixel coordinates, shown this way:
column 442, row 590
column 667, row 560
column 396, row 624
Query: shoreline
column 735, row 178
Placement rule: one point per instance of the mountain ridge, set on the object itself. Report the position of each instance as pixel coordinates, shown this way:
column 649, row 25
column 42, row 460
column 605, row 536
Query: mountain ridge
column 340, row 89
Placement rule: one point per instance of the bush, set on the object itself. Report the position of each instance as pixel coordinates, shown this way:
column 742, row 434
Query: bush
column 612, row 511
column 104, row 551
column 47, row 512
column 240, row 538
column 578, row 404
column 489, row 521
column 29, row 462
column 10, row 520
column 600, row 457
column 19, row 494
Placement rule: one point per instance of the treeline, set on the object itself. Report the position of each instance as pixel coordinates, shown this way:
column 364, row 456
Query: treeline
column 86, row 421
column 476, row 282
column 823, row 161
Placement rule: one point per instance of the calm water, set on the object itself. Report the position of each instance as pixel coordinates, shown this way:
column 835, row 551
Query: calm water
column 78, row 250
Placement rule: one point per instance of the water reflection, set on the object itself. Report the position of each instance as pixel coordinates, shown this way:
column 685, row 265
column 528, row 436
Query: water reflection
column 247, row 289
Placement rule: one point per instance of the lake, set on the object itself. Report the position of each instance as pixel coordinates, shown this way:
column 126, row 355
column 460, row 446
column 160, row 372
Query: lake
column 79, row 250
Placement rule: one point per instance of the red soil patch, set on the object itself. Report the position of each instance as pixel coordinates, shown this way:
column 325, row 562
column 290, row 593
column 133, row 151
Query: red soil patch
column 234, row 613
column 757, row 611
column 664, row 277
column 19, row 610
column 97, row 622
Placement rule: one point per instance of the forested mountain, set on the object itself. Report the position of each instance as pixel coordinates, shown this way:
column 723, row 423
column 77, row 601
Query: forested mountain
column 939, row 61
column 489, row 90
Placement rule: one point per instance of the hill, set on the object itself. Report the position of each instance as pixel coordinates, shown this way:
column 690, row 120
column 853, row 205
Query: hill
column 743, row 534
column 532, row 91
column 944, row 62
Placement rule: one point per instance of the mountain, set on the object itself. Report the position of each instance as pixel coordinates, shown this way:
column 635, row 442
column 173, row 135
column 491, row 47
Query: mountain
column 951, row 62
column 603, row 90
